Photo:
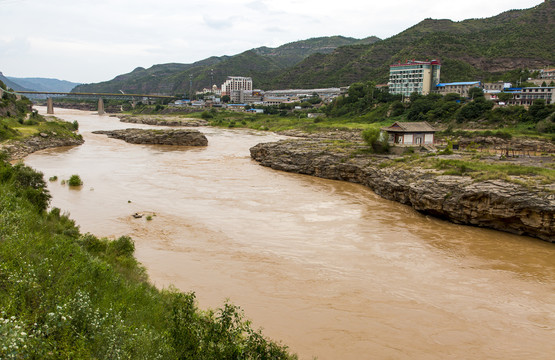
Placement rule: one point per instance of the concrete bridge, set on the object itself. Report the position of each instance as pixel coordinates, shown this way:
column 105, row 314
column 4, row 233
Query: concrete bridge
column 121, row 95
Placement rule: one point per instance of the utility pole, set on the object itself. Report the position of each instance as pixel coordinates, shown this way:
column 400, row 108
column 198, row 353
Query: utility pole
column 191, row 87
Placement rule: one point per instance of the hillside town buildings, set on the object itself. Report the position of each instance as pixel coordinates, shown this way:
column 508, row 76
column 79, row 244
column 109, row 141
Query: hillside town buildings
column 547, row 74
column 422, row 77
column 460, row 88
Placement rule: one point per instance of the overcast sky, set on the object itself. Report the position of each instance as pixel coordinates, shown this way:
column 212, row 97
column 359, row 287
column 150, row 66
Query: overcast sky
column 93, row 41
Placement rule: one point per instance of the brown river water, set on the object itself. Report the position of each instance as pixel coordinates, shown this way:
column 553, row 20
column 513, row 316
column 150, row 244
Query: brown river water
column 327, row 267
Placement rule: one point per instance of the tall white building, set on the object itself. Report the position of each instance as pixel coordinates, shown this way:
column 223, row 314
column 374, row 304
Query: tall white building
column 414, row 76
column 237, row 88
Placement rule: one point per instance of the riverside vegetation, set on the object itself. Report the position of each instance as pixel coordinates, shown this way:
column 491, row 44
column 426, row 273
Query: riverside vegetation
column 64, row 294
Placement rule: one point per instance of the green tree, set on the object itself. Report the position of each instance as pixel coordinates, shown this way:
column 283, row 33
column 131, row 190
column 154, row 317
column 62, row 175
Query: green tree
column 376, row 139
column 538, row 110
column 505, row 96
column 474, row 110
column 475, row 93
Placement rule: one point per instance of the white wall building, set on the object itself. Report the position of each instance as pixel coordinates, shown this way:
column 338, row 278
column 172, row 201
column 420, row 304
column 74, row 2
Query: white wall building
column 237, row 87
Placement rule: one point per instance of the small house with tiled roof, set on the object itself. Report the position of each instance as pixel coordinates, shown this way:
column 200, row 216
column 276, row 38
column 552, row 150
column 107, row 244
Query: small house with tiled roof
column 410, row 133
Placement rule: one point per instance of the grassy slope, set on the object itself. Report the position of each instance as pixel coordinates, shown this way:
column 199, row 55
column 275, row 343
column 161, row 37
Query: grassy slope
column 68, row 295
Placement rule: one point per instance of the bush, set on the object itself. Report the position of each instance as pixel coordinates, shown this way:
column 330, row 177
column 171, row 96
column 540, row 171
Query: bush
column 123, row 246
column 206, row 115
column 75, row 180
column 546, row 126
column 474, row 109
column 376, row 140
column 28, row 183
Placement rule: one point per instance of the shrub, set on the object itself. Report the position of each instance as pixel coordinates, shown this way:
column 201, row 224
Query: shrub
column 546, row 126
column 30, row 122
column 376, row 140
column 123, row 246
column 75, row 180
column 206, row 115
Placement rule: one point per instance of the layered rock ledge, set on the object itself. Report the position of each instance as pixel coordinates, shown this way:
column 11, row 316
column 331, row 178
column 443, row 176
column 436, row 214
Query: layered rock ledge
column 182, row 137
column 163, row 120
column 19, row 149
column 495, row 204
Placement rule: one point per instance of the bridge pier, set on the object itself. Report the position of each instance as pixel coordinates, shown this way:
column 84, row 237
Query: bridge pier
column 101, row 107
column 49, row 106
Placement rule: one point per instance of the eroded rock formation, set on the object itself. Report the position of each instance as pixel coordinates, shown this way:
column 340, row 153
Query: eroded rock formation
column 494, row 204
column 183, row 137
column 19, row 149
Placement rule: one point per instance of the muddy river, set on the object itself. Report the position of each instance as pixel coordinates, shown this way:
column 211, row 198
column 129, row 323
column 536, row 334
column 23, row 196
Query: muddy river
column 327, row 267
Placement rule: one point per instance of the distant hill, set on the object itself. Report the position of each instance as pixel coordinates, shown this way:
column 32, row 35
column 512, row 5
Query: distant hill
column 12, row 85
column 44, row 84
column 472, row 49
column 261, row 64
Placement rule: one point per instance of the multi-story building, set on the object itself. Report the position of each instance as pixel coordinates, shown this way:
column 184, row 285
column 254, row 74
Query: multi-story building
column 414, row 76
column 527, row 95
column 460, row 88
column 237, row 87
column 547, row 74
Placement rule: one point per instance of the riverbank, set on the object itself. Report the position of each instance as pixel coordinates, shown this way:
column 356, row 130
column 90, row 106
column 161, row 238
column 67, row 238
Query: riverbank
column 18, row 149
column 524, row 209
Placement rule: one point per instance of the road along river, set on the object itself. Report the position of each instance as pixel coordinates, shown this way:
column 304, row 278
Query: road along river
column 327, row 267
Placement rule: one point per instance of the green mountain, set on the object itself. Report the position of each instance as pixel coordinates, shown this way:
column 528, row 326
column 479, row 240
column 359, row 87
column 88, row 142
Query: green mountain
column 469, row 50
column 44, row 84
column 261, row 64
column 290, row 54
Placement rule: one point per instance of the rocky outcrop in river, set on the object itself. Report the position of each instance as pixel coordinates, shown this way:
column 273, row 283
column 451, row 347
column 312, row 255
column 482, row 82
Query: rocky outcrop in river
column 494, row 204
column 163, row 120
column 183, row 137
column 17, row 150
